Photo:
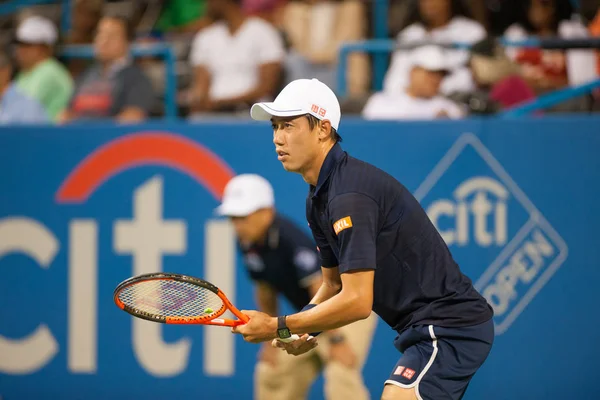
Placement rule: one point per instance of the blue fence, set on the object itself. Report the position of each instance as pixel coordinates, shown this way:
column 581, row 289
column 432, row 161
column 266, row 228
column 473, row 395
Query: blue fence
column 83, row 208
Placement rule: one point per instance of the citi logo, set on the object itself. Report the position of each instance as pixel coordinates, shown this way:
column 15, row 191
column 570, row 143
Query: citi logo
column 478, row 210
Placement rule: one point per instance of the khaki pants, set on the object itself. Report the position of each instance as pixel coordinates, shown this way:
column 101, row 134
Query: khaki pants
column 293, row 376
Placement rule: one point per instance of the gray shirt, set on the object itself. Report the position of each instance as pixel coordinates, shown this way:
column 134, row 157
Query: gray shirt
column 102, row 95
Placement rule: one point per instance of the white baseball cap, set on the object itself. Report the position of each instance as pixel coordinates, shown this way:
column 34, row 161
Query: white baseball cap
column 245, row 194
column 430, row 57
column 37, row 30
column 299, row 97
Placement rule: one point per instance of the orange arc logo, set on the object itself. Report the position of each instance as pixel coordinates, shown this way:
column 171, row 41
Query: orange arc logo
column 145, row 148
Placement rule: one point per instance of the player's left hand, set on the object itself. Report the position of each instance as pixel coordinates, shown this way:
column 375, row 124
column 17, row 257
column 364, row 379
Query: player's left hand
column 261, row 327
column 297, row 347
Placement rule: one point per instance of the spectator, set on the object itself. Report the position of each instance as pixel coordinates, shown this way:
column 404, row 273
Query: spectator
column 498, row 14
column 421, row 99
column 183, row 16
column 499, row 85
column 547, row 70
column 439, row 21
column 237, row 61
column 316, row 29
column 114, row 86
column 41, row 76
column 15, row 106
column 85, row 17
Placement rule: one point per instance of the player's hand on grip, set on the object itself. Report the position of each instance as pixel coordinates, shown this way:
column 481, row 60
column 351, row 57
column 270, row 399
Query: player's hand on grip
column 297, row 347
column 260, row 328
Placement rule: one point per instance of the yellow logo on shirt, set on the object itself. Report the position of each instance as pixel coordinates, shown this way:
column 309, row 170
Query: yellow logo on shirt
column 341, row 224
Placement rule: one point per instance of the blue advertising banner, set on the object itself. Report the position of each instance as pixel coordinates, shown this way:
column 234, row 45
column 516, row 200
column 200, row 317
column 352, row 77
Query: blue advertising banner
column 86, row 206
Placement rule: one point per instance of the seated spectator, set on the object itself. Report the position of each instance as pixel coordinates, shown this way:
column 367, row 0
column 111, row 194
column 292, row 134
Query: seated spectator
column 15, row 106
column 547, row 70
column 421, row 99
column 182, row 16
column 85, row 17
column 41, row 76
column 499, row 85
column 237, row 60
column 438, row 21
column 114, row 87
column 316, row 30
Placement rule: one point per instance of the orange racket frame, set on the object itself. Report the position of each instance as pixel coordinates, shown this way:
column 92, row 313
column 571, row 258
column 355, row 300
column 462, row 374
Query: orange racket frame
column 212, row 319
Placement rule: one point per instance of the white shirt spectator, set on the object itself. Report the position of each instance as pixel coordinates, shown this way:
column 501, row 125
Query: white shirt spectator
column 581, row 64
column 402, row 106
column 458, row 30
column 233, row 61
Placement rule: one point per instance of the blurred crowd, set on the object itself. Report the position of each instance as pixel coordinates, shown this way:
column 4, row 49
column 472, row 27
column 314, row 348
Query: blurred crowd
column 232, row 53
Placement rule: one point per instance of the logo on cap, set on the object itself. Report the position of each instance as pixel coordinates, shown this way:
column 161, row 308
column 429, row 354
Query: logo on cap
column 318, row 110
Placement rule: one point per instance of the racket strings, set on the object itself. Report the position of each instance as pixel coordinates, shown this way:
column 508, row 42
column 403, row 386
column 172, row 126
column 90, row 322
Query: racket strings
column 170, row 298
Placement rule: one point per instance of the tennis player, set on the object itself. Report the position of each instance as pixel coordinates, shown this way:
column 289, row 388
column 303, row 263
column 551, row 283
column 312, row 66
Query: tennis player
column 379, row 251
column 280, row 258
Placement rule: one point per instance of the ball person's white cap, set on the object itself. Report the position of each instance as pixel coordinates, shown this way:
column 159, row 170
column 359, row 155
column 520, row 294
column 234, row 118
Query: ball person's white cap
column 37, row 30
column 431, row 58
column 299, row 97
column 245, row 194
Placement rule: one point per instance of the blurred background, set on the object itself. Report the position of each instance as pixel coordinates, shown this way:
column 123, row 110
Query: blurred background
column 122, row 121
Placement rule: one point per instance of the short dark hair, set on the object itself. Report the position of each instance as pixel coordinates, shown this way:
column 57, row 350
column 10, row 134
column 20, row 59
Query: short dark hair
column 125, row 20
column 457, row 8
column 563, row 10
column 314, row 121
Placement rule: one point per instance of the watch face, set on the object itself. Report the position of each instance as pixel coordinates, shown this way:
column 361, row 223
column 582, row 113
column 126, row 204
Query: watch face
column 284, row 333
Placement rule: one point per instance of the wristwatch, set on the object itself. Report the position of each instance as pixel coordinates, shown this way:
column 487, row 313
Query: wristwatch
column 283, row 331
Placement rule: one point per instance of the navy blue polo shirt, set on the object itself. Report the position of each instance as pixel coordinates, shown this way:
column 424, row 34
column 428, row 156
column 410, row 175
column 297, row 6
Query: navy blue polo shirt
column 287, row 261
column 364, row 219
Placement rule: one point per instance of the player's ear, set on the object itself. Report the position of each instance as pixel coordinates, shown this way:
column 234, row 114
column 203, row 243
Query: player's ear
column 324, row 130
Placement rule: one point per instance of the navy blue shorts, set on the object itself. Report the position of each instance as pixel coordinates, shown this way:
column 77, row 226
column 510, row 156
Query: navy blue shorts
column 440, row 362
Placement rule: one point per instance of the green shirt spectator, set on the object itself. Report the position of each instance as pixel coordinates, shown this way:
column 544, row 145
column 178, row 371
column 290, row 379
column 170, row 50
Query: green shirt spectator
column 50, row 83
column 180, row 16
column 42, row 77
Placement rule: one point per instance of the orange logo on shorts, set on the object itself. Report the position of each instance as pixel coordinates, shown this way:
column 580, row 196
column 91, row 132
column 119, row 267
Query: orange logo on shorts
column 408, row 373
column 342, row 224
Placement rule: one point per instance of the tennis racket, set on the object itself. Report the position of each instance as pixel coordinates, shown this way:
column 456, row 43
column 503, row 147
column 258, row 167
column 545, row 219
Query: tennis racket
column 177, row 299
